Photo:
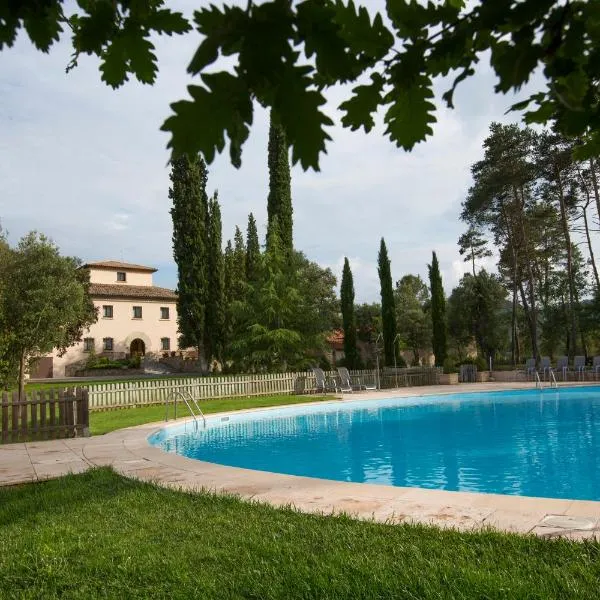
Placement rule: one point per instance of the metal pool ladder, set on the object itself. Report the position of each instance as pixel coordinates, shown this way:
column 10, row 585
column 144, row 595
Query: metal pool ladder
column 538, row 381
column 190, row 402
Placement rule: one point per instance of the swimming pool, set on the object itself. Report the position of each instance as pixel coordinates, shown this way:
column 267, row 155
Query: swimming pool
column 523, row 442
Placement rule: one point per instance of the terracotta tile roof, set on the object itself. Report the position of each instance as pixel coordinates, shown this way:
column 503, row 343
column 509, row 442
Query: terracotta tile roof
column 142, row 292
column 336, row 339
column 115, row 264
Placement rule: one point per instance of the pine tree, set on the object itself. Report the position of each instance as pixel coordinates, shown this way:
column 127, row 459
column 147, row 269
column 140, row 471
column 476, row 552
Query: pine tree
column 388, row 308
column 215, row 309
column 279, row 202
column 438, row 312
column 252, row 250
column 189, row 214
column 349, row 321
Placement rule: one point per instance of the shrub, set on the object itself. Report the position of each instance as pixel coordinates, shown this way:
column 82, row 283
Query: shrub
column 449, row 365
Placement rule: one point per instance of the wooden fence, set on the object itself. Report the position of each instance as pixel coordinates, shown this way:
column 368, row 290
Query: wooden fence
column 111, row 395
column 45, row 414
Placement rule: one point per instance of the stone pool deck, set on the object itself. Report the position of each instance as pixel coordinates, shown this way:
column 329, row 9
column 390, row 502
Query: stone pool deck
column 128, row 452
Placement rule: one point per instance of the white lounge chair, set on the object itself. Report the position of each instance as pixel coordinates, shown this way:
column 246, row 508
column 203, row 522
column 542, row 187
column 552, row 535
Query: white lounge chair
column 562, row 366
column 579, row 366
column 324, row 383
column 545, row 366
column 596, row 366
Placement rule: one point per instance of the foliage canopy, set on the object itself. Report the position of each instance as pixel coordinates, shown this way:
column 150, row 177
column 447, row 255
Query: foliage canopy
column 316, row 44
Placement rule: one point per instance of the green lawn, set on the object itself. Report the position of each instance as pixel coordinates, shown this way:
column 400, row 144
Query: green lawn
column 103, row 422
column 100, row 535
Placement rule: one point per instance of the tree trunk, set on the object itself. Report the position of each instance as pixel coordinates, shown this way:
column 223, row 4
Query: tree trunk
column 595, row 184
column 590, row 249
column 531, row 322
column 22, row 368
column 531, row 312
column 587, row 228
column 513, row 329
column 565, row 225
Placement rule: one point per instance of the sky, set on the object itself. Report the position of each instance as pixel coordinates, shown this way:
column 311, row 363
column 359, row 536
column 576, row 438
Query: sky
column 88, row 166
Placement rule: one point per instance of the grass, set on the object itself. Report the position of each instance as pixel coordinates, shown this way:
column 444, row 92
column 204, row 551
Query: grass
column 100, row 535
column 103, row 422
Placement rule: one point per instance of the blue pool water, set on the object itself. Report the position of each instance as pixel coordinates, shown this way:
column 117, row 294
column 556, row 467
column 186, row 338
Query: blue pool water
column 528, row 442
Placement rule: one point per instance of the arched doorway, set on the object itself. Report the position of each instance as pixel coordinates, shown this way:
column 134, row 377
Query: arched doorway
column 137, row 347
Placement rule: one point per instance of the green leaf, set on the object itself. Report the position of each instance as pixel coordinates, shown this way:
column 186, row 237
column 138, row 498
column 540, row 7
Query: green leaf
column 360, row 107
column 92, row 31
column 165, row 21
column 42, row 23
column 513, row 64
column 142, row 61
column 321, row 35
column 199, row 125
column 223, row 30
column 114, row 62
column 298, row 108
column 368, row 40
column 410, row 115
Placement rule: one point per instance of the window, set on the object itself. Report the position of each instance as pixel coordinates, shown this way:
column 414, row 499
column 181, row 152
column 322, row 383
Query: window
column 108, row 344
column 164, row 312
column 108, row 312
column 165, row 343
column 137, row 312
column 88, row 344
column 121, row 276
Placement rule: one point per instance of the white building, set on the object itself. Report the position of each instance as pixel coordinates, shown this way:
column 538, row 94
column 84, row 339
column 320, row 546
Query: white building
column 134, row 317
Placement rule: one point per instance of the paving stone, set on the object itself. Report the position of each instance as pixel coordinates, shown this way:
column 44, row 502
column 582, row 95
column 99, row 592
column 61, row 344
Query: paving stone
column 569, row 522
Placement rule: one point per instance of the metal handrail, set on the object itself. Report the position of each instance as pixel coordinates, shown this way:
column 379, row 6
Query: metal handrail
column 553, row 382
column 538, row 381
column 184, row 396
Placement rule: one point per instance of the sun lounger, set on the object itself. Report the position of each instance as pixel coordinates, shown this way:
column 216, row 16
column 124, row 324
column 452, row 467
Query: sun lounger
column 579, row 366
column 324, row 384
column 562, row 366
column 596, row 366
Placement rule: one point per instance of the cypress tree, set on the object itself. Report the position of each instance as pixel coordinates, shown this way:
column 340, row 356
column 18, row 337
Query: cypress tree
column 252, row 250
column 189, row 215
column 215, row 308
column 438, row 312
column 228, row 266
column 388, row 307
column 279, row 202
column 348, row 319
column 238, row 275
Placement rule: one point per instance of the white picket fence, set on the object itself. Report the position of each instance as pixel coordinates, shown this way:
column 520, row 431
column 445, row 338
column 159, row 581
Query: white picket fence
column 104, row 396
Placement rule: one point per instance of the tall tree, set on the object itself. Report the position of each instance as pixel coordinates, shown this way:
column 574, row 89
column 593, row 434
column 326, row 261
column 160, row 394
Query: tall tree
column 190, row 214
column 477, row 310
column 473, row 245
column 267, row 339
column 438, row 312
column 45, row 301
column 388, row 307
column 352, row 358
column 279, row 202
column 239, row 262
column 252, row 250
column 412, row 315
column 214, row 338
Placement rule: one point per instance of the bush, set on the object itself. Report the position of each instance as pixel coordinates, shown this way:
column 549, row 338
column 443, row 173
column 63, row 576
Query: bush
column 449, row 366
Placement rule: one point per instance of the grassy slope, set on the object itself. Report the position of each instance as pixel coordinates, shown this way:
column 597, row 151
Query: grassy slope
column 100, row 535
column 103, row 422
